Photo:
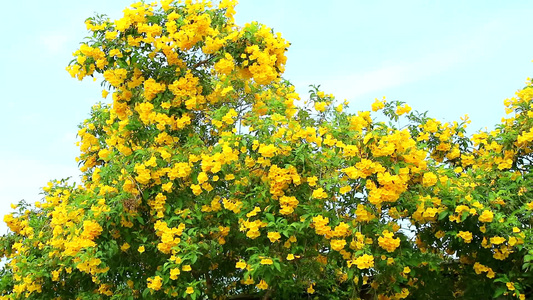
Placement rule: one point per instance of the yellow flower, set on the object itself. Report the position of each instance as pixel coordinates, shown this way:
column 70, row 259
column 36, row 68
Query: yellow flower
column 266, row 261
column 465, row 235
column 310, row 289
column 241, row 265
column 387, row 241
column 104, row 154
column 196, row 189
column 155, row 283
column 400, row 110
column 125, row 247
column 364, row 261
column 225, row 65
column 362, row 215
column 377, row 105
column 202, row 177
column 141, row 249
column 479, row 268
column 429, row 179
column 320, row 106
column 190, row 290
column 186, row 268
column 290, row 256
column 248, row 281
column 55, row 275
column 486, row 216
column 319, row 193
column 167, row 187
column 345, row 189
column 175, row 259
column 312, row 180
column 273, row 236
column 174, row 273
column 267, row 151
column 262, row 285
column 338, row 245
column 110, row 35
column 497, row 240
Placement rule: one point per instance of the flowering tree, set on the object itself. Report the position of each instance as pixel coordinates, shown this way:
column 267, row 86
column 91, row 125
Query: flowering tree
column 203, row 179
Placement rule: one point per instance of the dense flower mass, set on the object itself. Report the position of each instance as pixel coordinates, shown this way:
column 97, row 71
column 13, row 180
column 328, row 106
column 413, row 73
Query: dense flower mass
column 203, row 179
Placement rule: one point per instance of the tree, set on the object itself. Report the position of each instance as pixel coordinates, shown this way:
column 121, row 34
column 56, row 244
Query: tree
column 205, row 179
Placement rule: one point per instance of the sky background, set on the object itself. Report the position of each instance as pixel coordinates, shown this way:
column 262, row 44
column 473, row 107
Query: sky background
column 450, row 58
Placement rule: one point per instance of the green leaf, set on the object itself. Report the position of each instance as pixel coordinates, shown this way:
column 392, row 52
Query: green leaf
column 464, row 216
column 145, row 292
column 122, row 63
column 499, row 291
column 502, row 279
column 270, row 217
column 277, row 266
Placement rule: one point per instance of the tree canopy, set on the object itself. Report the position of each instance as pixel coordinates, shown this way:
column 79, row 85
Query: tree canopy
column 206, row 177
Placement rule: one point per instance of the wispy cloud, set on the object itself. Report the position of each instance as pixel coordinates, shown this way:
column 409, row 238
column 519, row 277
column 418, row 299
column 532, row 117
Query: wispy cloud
column 446, row 54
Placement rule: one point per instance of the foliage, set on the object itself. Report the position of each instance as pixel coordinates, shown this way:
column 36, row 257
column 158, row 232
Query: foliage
column 205, row 179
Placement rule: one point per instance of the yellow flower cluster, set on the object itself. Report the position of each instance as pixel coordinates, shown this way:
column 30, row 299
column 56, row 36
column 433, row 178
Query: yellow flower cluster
column 388, row 242
column 479, row 268
column 280, row 179
column 364, row 261
column 155, row 283
column 252, row 227
column 169, row 236
column 466, row 236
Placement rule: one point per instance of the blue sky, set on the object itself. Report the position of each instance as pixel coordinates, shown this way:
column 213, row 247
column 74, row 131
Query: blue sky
column 447, row 57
